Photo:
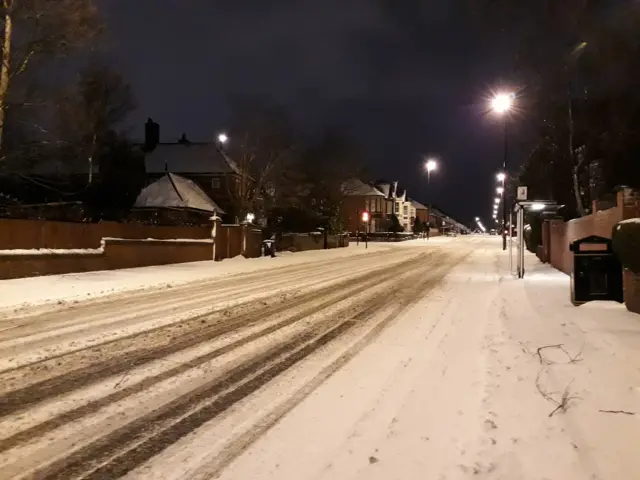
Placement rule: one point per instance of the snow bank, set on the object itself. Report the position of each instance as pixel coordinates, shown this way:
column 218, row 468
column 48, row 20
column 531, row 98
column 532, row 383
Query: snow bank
column 97, row 251
column 23, row 292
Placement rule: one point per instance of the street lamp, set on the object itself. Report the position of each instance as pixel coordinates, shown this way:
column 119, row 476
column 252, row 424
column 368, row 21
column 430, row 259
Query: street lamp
column 223, row 138
column 500, row 190
column 502, row 104
column 366, row 218
column 430, row 166
column 501, row 177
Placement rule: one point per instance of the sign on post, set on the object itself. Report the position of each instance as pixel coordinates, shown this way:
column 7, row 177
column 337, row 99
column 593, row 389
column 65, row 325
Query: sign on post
column 522, row 193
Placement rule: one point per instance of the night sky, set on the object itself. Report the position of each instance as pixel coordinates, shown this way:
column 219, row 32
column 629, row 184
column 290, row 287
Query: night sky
column 405, row 81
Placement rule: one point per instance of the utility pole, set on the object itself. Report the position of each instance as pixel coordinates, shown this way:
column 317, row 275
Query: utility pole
column 504, row 189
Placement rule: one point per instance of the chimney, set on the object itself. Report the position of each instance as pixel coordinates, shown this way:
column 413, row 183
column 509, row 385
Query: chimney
column 183, row 139
column 151, row 135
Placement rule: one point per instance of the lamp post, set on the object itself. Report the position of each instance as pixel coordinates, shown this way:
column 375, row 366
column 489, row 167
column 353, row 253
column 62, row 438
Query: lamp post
column 366, row 219
column 430, row 166
column 502, row 104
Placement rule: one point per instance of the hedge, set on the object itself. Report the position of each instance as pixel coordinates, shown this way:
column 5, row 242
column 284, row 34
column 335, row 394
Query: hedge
column 626, row 243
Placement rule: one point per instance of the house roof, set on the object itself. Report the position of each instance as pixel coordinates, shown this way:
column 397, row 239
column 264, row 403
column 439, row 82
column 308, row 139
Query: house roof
column 417, row 205
column 174, row 191
column 188, row 157
column 386, row 188
column 356, row 188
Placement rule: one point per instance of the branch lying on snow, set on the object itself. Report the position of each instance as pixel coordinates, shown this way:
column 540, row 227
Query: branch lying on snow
column 624, row 412
column 560, row 346
column 563, row 403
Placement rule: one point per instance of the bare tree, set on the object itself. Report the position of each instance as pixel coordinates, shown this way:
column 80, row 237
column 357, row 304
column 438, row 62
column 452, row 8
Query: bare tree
column 328, row 167
column 89, row 112
column 35, row 29
column 262, row 145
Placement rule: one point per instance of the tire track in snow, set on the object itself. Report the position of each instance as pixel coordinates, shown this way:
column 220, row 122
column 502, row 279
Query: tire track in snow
column 19, row 402
column 151, row 304
column 85, row 309
column 123, row 450
column 115, row 460
column 43, row 369
column 240, row 443
column 123, row 353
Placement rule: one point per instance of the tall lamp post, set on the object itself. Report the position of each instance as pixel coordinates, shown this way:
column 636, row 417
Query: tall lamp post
column 430, row 166
column 502, row 105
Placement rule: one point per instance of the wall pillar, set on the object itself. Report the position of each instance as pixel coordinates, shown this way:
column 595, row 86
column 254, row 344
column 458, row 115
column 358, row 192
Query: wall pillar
column 217, row 221
column 244, row 232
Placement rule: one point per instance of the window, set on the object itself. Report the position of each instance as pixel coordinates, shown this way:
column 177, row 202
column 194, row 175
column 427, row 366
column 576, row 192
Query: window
column 215, row 183
column 405, row 211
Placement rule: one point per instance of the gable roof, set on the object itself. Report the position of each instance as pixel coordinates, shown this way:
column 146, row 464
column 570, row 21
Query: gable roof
column 417, row 205
column 174, row 191
column 188, row 157
column 356, row 188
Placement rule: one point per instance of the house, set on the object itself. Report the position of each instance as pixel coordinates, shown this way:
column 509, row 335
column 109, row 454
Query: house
column 172, row 200
column 360, row 197
column 203, row 163
column 175, row 192
column 446, row 223
column 422, row 212
column 401, row 205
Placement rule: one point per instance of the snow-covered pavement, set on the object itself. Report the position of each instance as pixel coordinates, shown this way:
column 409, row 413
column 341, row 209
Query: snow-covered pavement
column 407, row 361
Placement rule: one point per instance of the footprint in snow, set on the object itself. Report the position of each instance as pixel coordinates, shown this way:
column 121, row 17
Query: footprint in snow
column 490, row 424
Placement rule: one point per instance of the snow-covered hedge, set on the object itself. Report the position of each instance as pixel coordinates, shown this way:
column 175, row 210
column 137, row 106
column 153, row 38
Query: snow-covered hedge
column 626, row 243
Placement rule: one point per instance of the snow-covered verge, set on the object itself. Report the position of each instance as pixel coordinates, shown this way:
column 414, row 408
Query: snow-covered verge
column 32, row 291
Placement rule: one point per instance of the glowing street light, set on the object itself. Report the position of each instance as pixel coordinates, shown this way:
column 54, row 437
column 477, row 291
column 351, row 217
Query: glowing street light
column 496, row 200
column 500, row 190
column 502, row 102
column 501, row 177
column 430, row 166
column 223, row 138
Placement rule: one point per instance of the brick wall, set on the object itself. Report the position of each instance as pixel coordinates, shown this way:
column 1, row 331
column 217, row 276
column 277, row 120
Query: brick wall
column 299, row 242
column 562, row 234
column 33, row 234
column 115, row 254
column 600, row 223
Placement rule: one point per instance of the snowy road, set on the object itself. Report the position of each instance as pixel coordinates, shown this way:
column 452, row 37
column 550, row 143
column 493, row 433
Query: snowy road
column 412, row 361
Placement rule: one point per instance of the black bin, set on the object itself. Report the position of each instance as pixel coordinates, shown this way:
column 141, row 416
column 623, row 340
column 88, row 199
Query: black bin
column 597, row 272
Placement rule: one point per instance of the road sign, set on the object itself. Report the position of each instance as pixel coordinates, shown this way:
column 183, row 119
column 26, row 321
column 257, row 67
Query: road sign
column 522, row 193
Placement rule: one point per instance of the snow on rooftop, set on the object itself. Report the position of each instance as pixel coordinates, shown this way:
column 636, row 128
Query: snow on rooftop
column 175, row 191
column 356, row 187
